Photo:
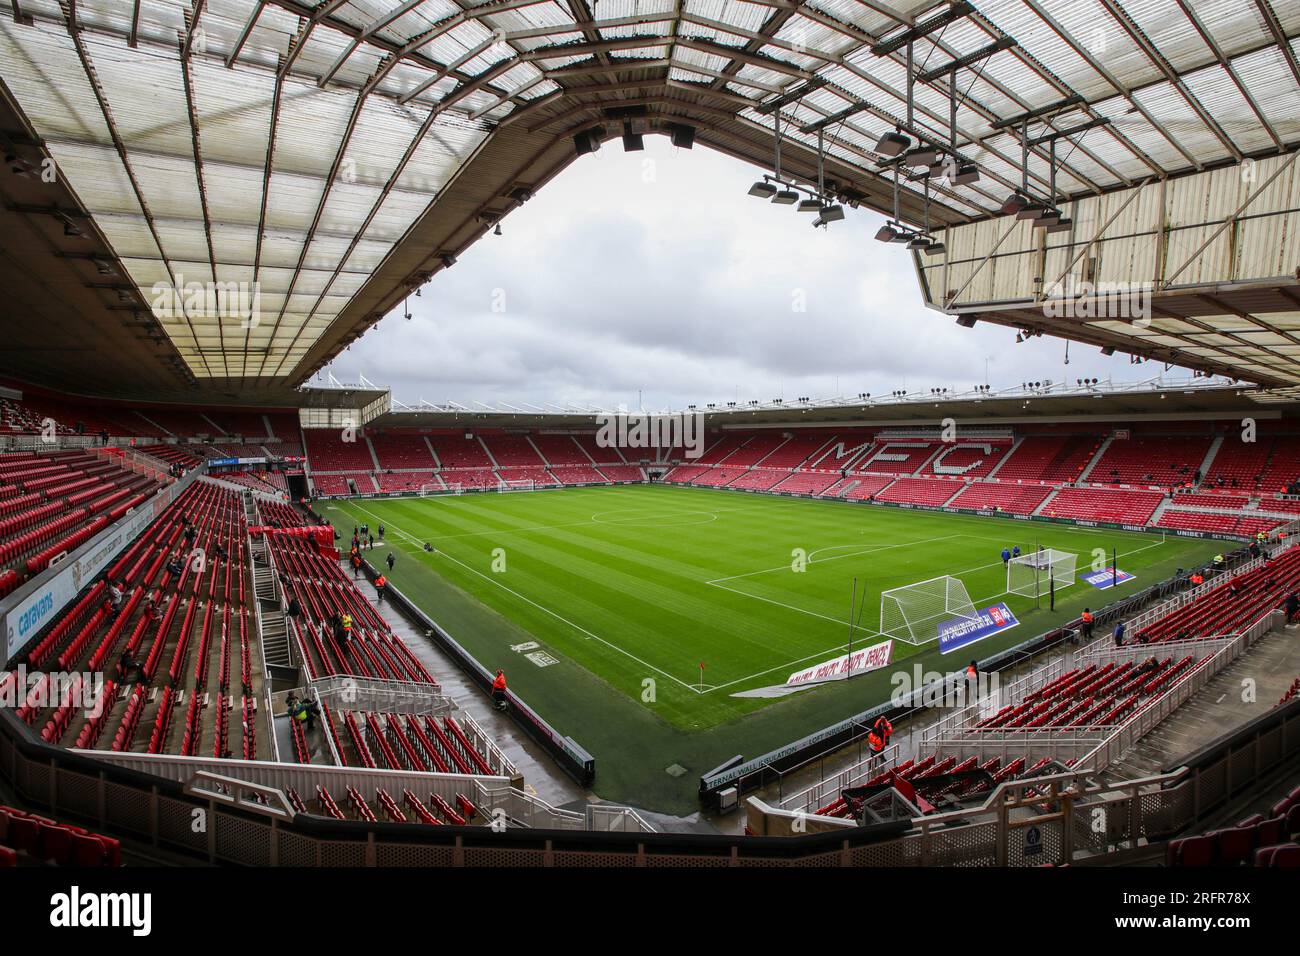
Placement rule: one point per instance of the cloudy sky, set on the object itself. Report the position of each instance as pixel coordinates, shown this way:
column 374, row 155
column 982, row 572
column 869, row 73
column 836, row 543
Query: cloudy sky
column 654, row 274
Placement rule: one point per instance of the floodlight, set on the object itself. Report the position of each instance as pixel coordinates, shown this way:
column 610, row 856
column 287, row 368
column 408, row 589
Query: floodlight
column 829, row 214
column 786, row 197
column 762, row 189
column 892, row 143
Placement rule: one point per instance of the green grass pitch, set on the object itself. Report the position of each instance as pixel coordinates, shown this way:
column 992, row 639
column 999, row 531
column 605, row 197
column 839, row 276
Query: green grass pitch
column 628, row 589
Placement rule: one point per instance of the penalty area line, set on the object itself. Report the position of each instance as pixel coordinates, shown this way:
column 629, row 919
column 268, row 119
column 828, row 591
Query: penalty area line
column 694, row 688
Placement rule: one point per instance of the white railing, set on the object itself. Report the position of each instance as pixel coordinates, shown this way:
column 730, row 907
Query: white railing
column 487, row 746
column 364, row 693
column 604, row 818
column 818, row 795
column 303, row 778
column 1093, row 748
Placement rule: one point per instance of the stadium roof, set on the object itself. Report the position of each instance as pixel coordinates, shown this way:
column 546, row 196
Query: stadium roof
column 337, row 155
column 1160, row 398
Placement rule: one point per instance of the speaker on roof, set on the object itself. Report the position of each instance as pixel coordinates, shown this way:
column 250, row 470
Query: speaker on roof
column 683, row 136
column 588, row 141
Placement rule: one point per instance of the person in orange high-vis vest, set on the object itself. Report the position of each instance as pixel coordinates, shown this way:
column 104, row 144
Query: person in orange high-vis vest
column 499, row 690
column 1087, row 624
column 878, row 736
column 381, row 583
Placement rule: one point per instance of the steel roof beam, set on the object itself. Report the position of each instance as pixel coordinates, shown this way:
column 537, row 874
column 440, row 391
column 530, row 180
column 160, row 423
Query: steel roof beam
column 191, row 112
column 1208, row 39
column 69, row 8
column 1154, row 55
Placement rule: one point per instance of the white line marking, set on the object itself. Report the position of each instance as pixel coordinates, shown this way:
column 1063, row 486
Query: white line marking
column 786, row 567
column 714, row 583
column 540, row 607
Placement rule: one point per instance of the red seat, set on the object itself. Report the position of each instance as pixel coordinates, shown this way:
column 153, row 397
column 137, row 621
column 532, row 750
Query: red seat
column 1192, row 851
column 1268, row 832
column 7, row 857
column 1286, row 856
column 54, row 844
column 24, row 834
column 89, row 850
column 1235, row 845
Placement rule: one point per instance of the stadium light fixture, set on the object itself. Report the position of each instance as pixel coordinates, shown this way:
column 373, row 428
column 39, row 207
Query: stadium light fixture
column 1061, row 225
column 785, row 197
column 829, row 214
column 887, row 232
column 935, row 248
column 967, row 174
column 919, row 242
column 922, row 156
column 810, row 205
column 1013, row 204
column 762, row 189
column 1031, row 210
column 1048, row 216
column 892, row 143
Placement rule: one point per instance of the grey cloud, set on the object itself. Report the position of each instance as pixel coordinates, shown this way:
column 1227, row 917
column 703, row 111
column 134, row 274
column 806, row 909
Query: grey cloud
column 682, row 287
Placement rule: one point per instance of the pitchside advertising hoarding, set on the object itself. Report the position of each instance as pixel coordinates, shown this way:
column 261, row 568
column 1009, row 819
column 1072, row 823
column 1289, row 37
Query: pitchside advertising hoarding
column 961, row 631
column 869, row 658
column 1107, row 578
column 31, row 611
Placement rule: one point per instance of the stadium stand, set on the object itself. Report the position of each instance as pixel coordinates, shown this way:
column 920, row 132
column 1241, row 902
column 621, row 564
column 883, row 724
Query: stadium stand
column 1103, row 504
column 328, row 452
column 920, row 491
column 1048, row 458
column 1012, row 498
column 1261, row 840
column 29, row 838
column 1164, row 461
column 401, row 452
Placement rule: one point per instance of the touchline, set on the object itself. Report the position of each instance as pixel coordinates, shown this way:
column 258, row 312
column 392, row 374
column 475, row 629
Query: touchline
column 102, row 910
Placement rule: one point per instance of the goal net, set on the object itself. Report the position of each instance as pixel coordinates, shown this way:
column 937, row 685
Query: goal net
column 1040, row 572
column 914, row 613
column 523, row 484
column 447, row 489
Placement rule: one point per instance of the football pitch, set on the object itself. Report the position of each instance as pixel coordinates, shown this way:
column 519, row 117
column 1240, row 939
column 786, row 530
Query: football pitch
column 631, row 616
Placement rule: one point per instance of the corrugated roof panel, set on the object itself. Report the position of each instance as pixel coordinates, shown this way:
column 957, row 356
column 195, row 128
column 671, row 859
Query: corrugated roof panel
column 1172, row 111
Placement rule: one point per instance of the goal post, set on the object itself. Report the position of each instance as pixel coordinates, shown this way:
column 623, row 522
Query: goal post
column 428, row 491
column 915, row 612
column 523, row 484
column 1038, row 573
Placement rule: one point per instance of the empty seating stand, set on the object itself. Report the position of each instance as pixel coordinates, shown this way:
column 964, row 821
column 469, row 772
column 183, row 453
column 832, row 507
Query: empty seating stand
column 185, row 616
column 40, row 840
column 1265, row 840
column 53, row 501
